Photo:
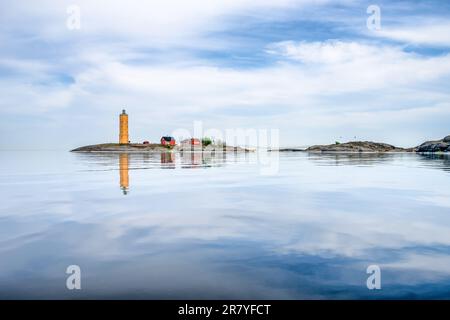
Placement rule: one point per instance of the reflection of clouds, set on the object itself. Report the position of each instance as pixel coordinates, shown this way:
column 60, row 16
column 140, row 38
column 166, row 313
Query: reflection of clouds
column 432, row 161
column 311, row 225
column 440, row 161
column 351, row 159
column 436, row 263
column 437, row 199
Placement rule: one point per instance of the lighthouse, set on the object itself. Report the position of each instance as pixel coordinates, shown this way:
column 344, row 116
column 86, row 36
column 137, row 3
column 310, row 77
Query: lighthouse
column 123, row 135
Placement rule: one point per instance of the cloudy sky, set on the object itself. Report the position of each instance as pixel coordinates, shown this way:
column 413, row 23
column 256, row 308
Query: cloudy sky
column 310, row 68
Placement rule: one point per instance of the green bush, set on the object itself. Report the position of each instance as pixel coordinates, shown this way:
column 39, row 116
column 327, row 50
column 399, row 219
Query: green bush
column 206, row 141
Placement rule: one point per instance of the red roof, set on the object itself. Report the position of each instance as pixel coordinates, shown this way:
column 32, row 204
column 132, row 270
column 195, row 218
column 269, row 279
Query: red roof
column 193, row 141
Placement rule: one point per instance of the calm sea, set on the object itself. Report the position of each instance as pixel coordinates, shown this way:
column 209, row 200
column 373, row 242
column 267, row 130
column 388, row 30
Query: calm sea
column 169, row 226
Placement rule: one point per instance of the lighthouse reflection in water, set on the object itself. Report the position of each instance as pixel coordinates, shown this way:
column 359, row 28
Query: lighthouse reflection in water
column 167, row 160
column 124, row 159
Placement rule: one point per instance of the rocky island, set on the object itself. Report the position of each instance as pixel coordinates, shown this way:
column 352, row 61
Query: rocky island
column 357, row 146
column 154, row 147
column 435, row 146
column 369, row 146
column 168, row 144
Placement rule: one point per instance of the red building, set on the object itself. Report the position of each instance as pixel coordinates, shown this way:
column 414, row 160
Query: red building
column 192, row 142
column 168, row 141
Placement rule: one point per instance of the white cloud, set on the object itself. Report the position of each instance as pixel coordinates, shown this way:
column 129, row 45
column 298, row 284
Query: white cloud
column 433, row 34
column 157, row 23
column 331, row 52
column 337, row 83
column 341, row 66
column 425, row 263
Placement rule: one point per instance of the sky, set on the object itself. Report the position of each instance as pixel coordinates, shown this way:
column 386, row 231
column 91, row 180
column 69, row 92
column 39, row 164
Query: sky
column 311, row 69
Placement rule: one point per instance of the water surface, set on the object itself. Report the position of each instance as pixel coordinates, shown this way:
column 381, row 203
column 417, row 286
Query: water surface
column 169, row 226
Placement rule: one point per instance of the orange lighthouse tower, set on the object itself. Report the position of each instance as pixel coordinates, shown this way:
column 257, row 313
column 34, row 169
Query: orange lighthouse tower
column 123, row 135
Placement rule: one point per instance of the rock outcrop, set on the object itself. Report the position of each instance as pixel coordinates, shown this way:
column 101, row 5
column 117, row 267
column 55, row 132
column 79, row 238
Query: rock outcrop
column 353, row 146
column 435, row 146
column 357, row 146
column 153, row 147
column 116, row 147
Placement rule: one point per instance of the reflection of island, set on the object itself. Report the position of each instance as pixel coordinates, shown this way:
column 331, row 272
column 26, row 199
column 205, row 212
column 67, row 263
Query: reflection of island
column 202, row 159
column 439, row 161
column 434, row 161
column 352, row 159
column 167, row 160
column 123, row 168
column 102, row 161
column 191, row 159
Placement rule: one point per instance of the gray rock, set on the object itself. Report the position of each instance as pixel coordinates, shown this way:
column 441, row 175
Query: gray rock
column 442, row 146
column 447, row 139
column 357, row 146
column 143, row 148
column 434, row 146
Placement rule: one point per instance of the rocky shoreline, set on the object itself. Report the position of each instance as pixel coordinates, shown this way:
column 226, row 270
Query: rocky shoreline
column 153, row 147
column 435, row 146
column 441, row 146
column 358, row 146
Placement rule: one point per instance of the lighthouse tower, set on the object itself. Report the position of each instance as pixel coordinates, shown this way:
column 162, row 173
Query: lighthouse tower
column 123, row 136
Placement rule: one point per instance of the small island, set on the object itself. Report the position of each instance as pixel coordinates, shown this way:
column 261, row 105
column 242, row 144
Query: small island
column 167, row 144
column 156, row 147
column 437, row 146
column 358, row 146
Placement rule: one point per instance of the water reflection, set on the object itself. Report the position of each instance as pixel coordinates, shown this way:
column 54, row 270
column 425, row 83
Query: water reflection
column 164, row 160
column 431, row 161
column 191, row 160
column 168, row 160
column 441, row 161
column 353, row 159
column 309, row 231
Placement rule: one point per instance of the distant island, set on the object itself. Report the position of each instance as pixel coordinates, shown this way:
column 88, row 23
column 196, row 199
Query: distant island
column 435, row 146
column 168, row 144
column 369, row 146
